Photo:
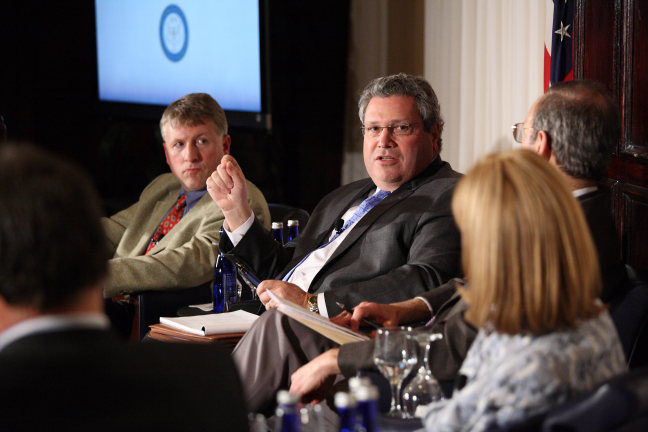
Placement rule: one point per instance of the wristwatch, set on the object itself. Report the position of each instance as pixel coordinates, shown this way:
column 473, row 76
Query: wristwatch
column 312, row 304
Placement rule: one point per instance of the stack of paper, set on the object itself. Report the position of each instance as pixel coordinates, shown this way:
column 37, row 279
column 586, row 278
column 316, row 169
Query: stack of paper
column 317, row 322
column 211, row 324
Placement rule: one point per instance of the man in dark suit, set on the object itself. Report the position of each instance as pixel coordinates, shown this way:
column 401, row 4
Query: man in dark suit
column 385, row 238
column 61, row 368
column 575, row 127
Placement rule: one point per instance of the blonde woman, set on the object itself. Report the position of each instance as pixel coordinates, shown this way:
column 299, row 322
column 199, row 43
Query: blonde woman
column 533, row 283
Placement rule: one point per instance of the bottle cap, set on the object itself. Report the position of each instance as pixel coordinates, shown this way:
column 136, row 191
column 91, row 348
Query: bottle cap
column 284, row 397
column 344, row 400
column 356, row 382
column 293, row 222
column 276, row 225
column 367, row 393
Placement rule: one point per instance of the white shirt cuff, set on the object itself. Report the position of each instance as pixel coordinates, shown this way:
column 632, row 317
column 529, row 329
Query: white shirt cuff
column 321, row 305
column 236, row 235
column 427, row 303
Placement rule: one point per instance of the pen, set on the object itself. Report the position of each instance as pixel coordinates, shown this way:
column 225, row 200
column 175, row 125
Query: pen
column 368, row 322
column 248, row 276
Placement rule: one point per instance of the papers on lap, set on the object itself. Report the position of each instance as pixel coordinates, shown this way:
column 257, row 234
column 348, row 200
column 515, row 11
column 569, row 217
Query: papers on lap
column 165, row 333
column 205, row 325
column 317, row 322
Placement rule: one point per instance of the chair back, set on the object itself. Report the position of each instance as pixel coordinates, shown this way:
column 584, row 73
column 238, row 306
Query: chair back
column 620, row 404
column 151, row 305
column 630, row 316
column 3, row 130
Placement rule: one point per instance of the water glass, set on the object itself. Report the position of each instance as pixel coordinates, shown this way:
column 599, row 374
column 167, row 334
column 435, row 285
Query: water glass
column 423, row 389
column 395, row 357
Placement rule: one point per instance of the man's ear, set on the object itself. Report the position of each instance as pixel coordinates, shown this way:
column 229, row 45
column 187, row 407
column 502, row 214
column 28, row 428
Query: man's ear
column 543, row 144
column 435, row 132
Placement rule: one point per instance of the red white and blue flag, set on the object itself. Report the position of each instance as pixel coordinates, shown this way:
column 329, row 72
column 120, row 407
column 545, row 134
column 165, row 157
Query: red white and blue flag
column 558, row 54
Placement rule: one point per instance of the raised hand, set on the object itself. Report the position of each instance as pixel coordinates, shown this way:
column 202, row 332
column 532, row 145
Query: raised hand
column 228, row 189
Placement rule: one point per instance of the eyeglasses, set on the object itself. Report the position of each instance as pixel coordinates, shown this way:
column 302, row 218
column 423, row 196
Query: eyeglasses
column 518, row 132
column 402, row 129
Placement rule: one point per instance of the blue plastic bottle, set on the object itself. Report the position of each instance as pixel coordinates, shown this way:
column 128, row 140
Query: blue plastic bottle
column 218, row 289
column 224, row 289
column 346, row 409
column 277, row 232
column 293, row 230
column 288, row 418
column 367, row 408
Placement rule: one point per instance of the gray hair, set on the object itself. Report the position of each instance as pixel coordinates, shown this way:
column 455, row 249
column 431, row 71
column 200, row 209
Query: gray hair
column 403, row 84
column 584, row 125
column 193, row 109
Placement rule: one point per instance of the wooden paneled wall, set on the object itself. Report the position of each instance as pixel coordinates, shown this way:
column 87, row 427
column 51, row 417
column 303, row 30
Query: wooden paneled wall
column 612, row 47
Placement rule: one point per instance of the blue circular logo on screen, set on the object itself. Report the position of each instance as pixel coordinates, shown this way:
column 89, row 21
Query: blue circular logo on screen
column 174, row 33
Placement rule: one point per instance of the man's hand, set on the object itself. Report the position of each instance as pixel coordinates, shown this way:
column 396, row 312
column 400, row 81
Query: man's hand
column 228, row 189
column 312, row 380
column 384, row 314
column 285, row 290
column 392, row 314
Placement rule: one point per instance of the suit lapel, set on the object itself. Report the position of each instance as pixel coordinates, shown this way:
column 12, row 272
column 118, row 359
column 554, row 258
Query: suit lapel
column 368, row 220
column 341, row 208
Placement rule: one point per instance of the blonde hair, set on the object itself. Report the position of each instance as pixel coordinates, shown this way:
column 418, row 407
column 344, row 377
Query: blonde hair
column 527, row 249
column 193, row 109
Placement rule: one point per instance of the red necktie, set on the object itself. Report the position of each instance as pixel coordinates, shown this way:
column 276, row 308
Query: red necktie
column 169, row 222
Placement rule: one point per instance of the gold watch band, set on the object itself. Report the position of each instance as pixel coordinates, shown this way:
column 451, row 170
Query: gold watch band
column 312, row 304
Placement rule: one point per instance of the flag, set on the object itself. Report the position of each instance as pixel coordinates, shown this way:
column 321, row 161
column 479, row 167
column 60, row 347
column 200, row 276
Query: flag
column 559, row 40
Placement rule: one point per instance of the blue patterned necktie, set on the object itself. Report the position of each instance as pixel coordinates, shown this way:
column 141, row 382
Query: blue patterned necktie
column 362, row 210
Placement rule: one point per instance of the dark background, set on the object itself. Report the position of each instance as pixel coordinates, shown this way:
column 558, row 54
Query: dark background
column 48, row 96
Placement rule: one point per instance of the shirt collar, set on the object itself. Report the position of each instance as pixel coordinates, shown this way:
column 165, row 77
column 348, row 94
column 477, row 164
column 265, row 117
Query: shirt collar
column 192, row 197
column 582, row 191
column 50, row 323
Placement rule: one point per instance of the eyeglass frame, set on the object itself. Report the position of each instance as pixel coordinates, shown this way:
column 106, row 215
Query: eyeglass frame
column 391, row 129
column 519, row 126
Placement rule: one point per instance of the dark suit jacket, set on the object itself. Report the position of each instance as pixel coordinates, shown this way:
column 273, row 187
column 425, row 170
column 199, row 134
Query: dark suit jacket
column 598, row 212
column 404, row 246
column 447, row 354
column 88, row 380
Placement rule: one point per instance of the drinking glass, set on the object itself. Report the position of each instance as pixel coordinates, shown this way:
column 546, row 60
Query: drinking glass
column 395, row 357
column 423, row 388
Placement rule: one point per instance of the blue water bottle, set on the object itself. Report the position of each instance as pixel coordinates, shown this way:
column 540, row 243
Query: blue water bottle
column 277, row 232
column 288, row 418
column 293, row 230
column 230, row 288
column 218, row 289
column 367, row 408
column 345, row 405
column 224, row 289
